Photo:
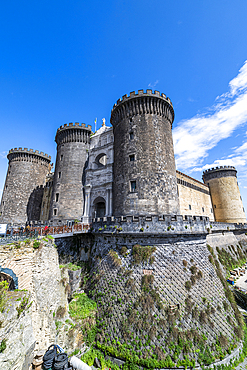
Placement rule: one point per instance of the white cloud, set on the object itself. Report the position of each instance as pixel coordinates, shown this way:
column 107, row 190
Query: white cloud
column 153, row 84
column 3, row 154
column 193, row 138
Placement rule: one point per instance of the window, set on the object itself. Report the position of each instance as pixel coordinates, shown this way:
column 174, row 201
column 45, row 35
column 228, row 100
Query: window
column 132, row 186
column 6, row 187
column 215, row 206
column 57, row 197
column 3, row 203
column 61, row 158
column 132, row 157
column 131, row 135
column 211, row 210
column 130, row 119
column 59, row 175
column 202, row 209
column 55, row 212
column 189, row 207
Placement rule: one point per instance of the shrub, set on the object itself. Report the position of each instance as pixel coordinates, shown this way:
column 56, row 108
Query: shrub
column 142, row 254
column 203, row 317
column 3, row 292
column 61, row 311
column 185, row 263
column 115, row 259
column 81, row 306
column 36, row 244
column 3, row 345
column 193, row 270
column 188, row 285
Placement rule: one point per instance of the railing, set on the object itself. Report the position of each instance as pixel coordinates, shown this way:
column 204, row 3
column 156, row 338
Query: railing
column 15, row 235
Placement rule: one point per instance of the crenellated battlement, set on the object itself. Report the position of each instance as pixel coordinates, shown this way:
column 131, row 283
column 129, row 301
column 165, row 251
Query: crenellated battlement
column 218, row 172
column 73, row 132
column 29, row 152
column 139, row 103
column 74, row 125
column 221, row 168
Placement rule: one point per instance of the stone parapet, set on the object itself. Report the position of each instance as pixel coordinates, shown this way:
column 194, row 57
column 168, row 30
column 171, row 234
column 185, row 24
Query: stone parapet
column 23, row 153
column 217, row 172
column 73, row 132
column 148, row 102
column 163, row 224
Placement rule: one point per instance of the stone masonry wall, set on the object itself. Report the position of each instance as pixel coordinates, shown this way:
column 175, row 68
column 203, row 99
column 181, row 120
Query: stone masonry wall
column 22, row 193
column 143, row 152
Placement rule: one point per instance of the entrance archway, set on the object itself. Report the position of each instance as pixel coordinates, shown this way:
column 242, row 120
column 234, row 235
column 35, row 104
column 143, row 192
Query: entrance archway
column 99, row 207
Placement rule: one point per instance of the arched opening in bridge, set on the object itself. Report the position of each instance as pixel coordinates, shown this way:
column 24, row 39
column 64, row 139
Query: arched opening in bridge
column 99, row 207
column 9, row 276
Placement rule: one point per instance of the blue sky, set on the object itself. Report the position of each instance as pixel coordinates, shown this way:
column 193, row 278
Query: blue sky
column 69, row 61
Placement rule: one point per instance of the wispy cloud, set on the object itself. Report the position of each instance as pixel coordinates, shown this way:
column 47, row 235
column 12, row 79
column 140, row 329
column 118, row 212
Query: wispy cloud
column 193, row 138
column 3, row 154
column 153, row 84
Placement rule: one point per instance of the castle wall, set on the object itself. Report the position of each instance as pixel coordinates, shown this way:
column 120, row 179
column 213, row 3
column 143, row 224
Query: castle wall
column 99, row 175
column 67, row 199
column 225, row 194
column 194, row 197
column 23, row 189
column 46, row 200
column 144, row 165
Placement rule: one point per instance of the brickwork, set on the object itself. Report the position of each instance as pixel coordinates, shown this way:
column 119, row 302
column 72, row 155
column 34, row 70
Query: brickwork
column 225, row 194
column 73, row 143
column 144, row 166
column 194, row 197
column 23, row 189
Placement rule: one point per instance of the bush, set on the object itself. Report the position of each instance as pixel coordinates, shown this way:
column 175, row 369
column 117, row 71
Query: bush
column 61, row 311
column 36, row 244
column 188, row 285
column 3, row 345
column 142, row 254
column 193, row 270
column 81, row 306
column 3, row 291
column 185, row 263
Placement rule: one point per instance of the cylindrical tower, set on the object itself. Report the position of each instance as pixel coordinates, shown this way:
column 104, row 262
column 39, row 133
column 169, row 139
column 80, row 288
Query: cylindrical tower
column 225, row 194
column 72, row 152
column 23, row 189
column 144, row 172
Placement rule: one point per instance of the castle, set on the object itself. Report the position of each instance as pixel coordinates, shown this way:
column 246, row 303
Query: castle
column 126, row 169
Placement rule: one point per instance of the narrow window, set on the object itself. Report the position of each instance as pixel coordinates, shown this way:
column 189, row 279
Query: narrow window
column 57, row 197
column 211, row 210
column 3, row 203
column 131, row 135
column 55, row 212
column 189, row 207
column 130, row 119
column 132, row 186
column 59, row 175
column 132, row 157
column 202, row 209
column 6, row 187
column 61, row 158
column 215, row 206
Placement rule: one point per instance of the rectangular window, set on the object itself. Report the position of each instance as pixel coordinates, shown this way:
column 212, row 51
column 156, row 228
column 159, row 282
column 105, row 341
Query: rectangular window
column 57, row 197
column 6, row 187
column 55, row 212
column 132, row 157
column 215, row 206
column 189, row 207
column 202, row 209
column 131, row 135
column 132, row 186
column 211, row 210
column 59, row 175
column 61, row 158
column 130, row 119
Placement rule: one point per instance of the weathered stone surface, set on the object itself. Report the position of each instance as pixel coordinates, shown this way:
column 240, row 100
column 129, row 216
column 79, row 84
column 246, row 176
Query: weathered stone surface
column 144, row 174
column 23, row 189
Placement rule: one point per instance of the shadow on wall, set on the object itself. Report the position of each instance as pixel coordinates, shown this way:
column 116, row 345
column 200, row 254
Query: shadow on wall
column 34, row 204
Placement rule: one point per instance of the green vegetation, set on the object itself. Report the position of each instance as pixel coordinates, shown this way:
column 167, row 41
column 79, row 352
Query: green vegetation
column 36, row 244
column 3, row 293
column 142, row 254
column 81, row 307
column 70, row 266
column 24, row 305
column 114, row 257
column 3, row 345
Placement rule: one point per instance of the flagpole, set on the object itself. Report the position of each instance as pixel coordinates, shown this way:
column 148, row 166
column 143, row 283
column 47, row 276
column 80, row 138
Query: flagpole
column 95, row 123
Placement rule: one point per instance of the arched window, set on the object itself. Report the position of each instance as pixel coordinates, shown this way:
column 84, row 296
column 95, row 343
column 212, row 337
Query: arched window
column 99, row 208
column 101, row 160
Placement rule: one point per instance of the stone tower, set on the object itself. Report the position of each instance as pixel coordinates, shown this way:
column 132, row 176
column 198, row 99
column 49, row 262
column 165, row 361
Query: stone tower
column 144, row 173
column 23, row 189
column 73, row 143
column 225, row 194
